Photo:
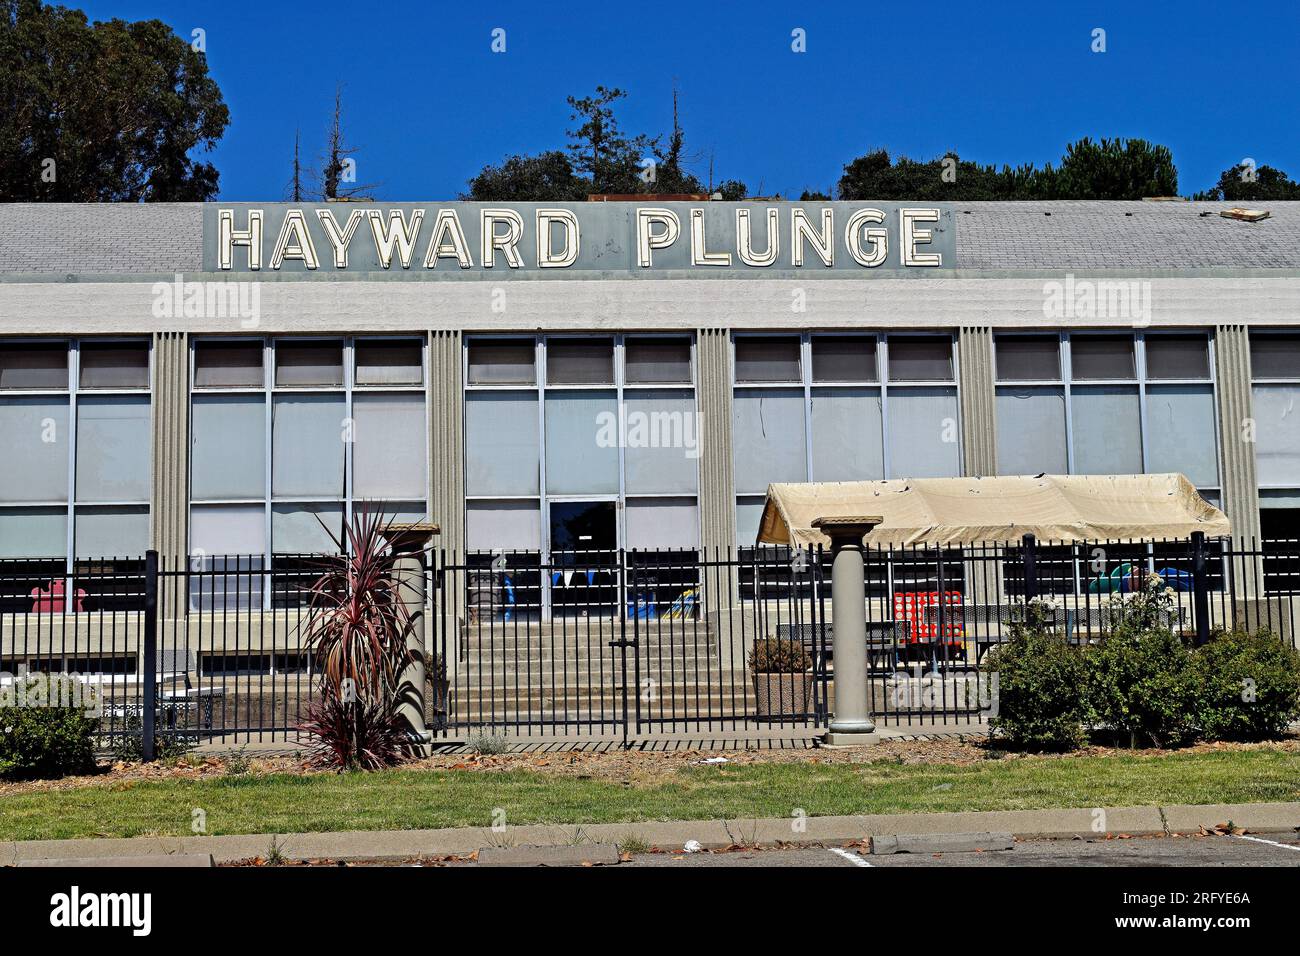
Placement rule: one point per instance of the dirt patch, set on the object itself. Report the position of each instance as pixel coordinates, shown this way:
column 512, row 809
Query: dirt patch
column 632, row 767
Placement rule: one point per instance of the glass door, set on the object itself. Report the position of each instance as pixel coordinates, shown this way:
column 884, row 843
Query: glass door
column 584, row 558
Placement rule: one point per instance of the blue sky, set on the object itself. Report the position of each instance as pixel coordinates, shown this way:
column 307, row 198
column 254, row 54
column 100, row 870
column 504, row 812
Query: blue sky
column 429, row 103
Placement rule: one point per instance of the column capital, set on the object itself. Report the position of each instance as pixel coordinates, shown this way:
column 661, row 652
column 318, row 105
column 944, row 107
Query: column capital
column 846, row 529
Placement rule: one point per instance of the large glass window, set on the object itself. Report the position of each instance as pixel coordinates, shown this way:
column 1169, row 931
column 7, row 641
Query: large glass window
column 564, row 429
column 290, row 436
column 840, row 407
column 1275, row 373
column 74, row 491
column 1105, row 403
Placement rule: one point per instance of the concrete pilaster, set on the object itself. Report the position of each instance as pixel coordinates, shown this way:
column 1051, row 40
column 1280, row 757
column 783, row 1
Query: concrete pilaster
column 978, row 405
column 447, row 439
column 170, row 448
column 1237, row 479
column 717, row 493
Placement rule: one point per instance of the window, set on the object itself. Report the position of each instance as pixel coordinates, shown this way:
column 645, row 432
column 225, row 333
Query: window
column 389, row 362
column 916, row 359
column 761, row 358
column 1129, row 404
column 1275, row 370
column 1029, row 358
column 598, row 453
column 1101, row 357
column 580, row 362
column 309, row 363
column 815, row 408
column 844, row 358
column 74, row 493
column 280, row 461
column 657, row 361
column 33, row 366
column 114, row 365
column 1177, row 356
column 228, row 364
column 502, row 362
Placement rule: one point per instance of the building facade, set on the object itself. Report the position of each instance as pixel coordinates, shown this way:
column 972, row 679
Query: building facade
column 226, row 383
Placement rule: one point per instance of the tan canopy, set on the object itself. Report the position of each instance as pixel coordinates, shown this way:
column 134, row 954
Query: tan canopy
column 946, row 511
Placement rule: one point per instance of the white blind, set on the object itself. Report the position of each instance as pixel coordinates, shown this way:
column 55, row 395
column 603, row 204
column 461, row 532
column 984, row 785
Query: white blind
column 113, row 448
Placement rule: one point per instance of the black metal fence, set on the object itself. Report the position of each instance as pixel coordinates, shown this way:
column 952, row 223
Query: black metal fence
column 608, row 643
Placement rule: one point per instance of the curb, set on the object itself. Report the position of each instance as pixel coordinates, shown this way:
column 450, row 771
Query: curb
column 392, row 845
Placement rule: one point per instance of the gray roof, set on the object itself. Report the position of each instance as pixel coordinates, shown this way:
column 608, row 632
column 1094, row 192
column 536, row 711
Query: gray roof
column 61, row 239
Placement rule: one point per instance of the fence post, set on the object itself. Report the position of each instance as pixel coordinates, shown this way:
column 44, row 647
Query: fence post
column 1200, row 588
column 150, row 689
column 1030, row 545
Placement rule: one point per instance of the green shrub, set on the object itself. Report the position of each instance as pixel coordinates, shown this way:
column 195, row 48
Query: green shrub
column 774, row 655
column 1142, row 684
column 1039, row 687
column 45, row 727
column 1249, row 686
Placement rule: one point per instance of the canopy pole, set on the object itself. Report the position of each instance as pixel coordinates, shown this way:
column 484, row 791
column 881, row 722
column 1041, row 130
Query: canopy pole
column 851, row 724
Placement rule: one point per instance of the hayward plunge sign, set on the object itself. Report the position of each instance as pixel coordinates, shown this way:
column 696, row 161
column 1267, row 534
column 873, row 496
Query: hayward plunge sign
column 488, row 240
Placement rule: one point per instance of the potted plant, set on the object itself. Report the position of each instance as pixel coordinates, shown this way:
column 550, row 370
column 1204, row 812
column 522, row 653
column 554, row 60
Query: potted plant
column 782, row 677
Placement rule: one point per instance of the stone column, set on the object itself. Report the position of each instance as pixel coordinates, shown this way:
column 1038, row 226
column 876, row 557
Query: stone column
column 409, row 541
column 851, row 724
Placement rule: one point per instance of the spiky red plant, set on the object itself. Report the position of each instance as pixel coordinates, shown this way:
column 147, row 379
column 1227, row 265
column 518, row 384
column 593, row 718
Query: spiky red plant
column 356, row 630
column 357, row 622
column 362, row 735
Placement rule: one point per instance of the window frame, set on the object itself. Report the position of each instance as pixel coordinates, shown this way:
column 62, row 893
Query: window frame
column 1142, row 381
column 73, row 391
column 270, row 390
column 882, row 383
column 621, row 390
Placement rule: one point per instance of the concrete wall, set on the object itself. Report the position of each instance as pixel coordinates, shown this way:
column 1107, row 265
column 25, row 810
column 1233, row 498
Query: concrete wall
column 403, row 303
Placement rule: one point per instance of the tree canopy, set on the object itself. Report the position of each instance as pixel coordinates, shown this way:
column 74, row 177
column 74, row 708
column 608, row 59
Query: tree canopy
column 600, row 158
column 1246, row 183
column 103, row 112
column 1109, row 169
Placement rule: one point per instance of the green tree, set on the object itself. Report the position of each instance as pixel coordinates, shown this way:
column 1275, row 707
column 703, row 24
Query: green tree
column 103, row 112
column 1243, row 183
column 611, row 159
column 547, row 177
column 1111, row 169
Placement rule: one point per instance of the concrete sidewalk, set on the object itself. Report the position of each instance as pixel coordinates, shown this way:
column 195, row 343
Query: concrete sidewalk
column 406, row 844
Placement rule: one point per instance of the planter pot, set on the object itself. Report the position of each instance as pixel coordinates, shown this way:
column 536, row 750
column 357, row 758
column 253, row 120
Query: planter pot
column 782, row 694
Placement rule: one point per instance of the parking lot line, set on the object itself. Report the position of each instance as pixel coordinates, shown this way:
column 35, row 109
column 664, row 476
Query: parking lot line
column 853, row 858
column 1285, row 846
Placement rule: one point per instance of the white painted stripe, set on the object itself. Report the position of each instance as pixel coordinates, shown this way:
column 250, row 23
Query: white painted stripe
column 1285, row 846
column 853, row 858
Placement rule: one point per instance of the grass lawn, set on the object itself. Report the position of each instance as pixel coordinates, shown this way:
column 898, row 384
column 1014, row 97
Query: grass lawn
column 408, row 799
